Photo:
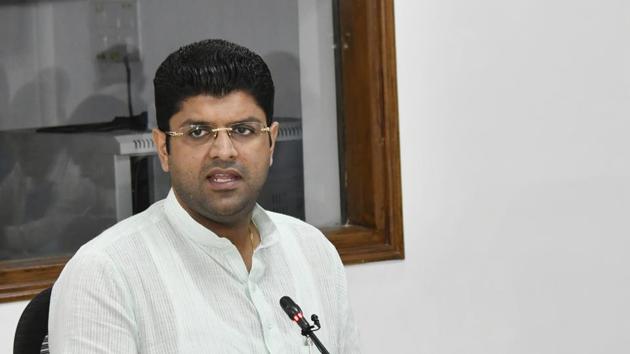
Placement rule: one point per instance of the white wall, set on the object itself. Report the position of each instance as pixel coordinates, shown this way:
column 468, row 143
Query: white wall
column 514, row 119
column 515, row 183
column 9, row 315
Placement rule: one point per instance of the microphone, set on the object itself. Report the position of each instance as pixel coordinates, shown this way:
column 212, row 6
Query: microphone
column 295, row 314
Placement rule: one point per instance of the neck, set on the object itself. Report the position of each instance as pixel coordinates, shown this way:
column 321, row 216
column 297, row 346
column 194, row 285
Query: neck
column 233, row 227
column 243, row 235
column 239, row 230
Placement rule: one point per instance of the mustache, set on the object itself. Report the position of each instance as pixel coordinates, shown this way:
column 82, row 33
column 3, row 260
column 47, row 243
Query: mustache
column 226, row 165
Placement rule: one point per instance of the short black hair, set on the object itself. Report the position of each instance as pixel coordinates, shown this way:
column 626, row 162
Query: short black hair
column 212, row 67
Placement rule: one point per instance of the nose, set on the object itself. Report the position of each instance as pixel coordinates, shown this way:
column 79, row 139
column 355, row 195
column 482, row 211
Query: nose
column 222, row 147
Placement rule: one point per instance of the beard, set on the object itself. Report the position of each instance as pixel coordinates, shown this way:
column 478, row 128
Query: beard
column 206, row 205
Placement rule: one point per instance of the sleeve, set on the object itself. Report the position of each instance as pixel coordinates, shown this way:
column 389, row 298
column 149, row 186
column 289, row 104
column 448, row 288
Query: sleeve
column 90, row 309
column 348, row 332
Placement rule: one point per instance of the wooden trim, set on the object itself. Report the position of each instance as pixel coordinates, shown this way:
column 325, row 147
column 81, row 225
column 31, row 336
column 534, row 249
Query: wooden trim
column 23, row 279
column 370, row 164
column 371, row 161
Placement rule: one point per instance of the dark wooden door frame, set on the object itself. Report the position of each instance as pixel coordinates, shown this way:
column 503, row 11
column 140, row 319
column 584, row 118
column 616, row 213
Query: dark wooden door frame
column 369, row 111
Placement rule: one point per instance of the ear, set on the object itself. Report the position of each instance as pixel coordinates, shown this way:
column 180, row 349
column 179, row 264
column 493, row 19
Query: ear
column 159, row 139
column 274, row 129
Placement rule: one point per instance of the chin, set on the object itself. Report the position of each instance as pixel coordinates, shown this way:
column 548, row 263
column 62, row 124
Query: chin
column 227, row 214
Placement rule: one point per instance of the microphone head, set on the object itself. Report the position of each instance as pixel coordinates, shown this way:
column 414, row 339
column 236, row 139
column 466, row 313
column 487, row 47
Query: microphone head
column 294, row 312
column 289, row 306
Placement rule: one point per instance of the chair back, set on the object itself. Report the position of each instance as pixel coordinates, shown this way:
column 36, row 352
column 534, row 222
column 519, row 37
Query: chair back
column 31, row 334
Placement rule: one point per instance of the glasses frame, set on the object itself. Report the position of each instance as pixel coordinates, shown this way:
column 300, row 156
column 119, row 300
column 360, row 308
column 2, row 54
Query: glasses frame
column 216, row 131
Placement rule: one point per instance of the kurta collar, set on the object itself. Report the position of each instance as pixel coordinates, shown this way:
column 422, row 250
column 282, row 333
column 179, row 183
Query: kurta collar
column 185, row 225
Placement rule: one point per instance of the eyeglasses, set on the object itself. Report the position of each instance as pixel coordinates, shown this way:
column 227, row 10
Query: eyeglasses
column 239, row 133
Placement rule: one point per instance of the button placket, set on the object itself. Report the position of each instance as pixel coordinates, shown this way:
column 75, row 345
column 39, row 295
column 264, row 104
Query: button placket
column 260, row 303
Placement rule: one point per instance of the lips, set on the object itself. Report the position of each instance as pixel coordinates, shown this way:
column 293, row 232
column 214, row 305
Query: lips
column 224, row 179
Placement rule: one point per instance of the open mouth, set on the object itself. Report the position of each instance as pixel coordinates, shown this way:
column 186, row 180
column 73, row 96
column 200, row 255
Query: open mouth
column 222, row 180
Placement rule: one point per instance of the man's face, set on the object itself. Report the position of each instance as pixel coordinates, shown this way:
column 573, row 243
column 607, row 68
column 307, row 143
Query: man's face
column 219, row 181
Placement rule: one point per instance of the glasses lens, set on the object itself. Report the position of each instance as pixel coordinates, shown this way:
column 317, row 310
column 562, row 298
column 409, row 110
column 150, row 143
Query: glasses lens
column 198, row 134
column 244, row 132
column 238, row 133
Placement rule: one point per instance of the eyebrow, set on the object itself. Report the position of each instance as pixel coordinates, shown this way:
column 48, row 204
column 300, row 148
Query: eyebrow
column 194, row 121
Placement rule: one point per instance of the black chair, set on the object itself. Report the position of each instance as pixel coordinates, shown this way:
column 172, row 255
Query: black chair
column 31, row 335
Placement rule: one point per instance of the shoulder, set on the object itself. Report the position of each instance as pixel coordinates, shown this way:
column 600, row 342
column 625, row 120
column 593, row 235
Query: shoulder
column 291, row 227
column 307, row 237
column 113, row 249
column 107, row 257
column 127, row 233
column 287, row 222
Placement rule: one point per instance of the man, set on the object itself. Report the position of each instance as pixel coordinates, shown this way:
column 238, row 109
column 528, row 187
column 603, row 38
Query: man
column 203, row 270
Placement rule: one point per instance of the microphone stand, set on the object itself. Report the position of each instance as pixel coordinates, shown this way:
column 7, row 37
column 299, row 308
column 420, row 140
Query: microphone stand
column 307, row 331
column 296, row 315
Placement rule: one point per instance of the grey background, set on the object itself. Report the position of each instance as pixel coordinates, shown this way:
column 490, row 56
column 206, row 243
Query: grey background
column 49, row 75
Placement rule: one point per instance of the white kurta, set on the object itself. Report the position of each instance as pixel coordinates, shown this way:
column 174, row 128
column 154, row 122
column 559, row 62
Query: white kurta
column 159, row 282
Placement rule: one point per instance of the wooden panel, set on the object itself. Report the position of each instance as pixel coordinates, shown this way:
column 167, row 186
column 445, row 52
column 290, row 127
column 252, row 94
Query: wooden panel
column 24, row 279
column 371, row 158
